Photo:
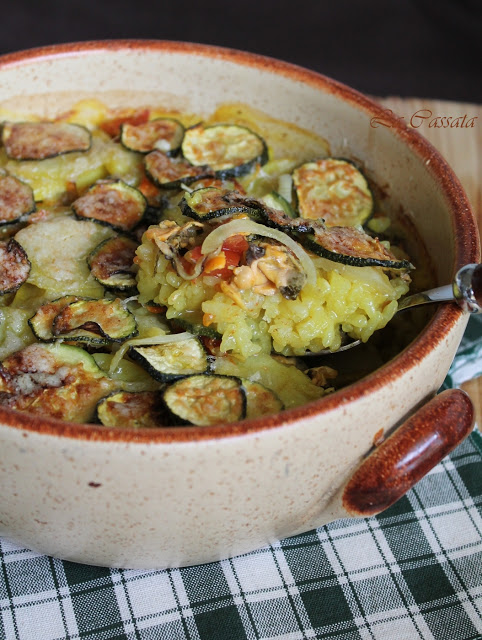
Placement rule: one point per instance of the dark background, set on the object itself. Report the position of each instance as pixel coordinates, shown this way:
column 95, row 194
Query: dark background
column 422, row 48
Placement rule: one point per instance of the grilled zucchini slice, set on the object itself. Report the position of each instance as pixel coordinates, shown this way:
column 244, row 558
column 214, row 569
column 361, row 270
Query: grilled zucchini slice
column 172, row 360
column 113, row 203
column 351, row 246
column 92, row 320
column 171, row 173
column 206, row 400
column 131, row 410
column 279, row 217
column 194, row 325
column 260, row 401
column 16, row 200
column 40, row 140
column 41, row 322
column 229, row 149
column 163, row 134
column 57, row 380
column 210, row 202
column 112, row 263
column 333, row 189
column 14, row 266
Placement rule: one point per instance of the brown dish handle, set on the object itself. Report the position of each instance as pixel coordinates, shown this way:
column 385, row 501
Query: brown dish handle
column 420, row 443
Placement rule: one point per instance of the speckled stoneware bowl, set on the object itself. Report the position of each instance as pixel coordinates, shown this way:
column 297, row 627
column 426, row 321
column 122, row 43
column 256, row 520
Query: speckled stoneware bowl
column 171, row 497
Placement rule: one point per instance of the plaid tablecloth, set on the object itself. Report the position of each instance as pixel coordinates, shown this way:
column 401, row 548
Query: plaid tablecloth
column 413, row 572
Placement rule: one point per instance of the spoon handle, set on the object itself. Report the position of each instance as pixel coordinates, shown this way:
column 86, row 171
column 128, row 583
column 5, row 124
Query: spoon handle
column 466, row 290
column 439, row 294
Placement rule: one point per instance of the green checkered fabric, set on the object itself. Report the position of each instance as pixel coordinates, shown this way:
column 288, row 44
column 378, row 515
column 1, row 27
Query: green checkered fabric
column 413, row 572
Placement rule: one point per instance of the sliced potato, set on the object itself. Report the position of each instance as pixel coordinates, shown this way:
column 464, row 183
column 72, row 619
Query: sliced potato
column 59, row 247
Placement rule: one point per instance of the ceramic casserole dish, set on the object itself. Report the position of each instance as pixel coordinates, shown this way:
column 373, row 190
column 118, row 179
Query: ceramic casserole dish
column 176, row 496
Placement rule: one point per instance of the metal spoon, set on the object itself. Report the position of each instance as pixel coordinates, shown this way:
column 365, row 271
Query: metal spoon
column 465, row 290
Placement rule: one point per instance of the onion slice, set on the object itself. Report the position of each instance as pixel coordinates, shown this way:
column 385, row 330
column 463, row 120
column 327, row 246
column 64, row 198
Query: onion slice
column 198, row 267
column 248, row 227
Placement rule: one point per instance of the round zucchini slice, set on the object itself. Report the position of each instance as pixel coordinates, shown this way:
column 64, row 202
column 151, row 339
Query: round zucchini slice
column 40, row 140
column 41, row 322
column 210, row 202
column 172, row 360
column 131, row 410
column 163, row 134
column 112, row 263
column 206, row 400
column 171, row 173
column 260, row 401
column 351, row 246
column 16, row 200
column 92, row 320
column 229, row 149
column 57, row 380
column 113, row 203
column 14, row 266
column 333, row 189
